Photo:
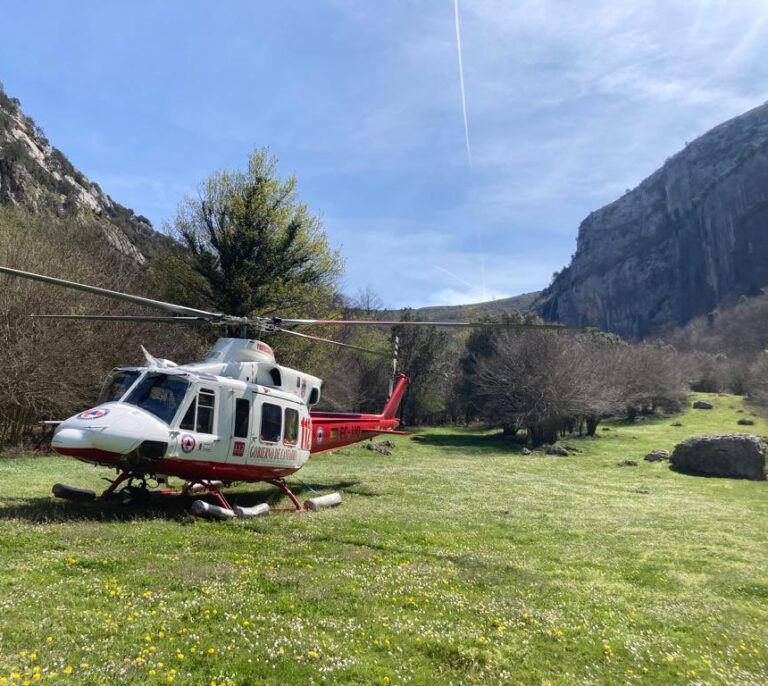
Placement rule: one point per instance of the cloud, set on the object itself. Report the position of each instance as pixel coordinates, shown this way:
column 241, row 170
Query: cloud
column 570, row 103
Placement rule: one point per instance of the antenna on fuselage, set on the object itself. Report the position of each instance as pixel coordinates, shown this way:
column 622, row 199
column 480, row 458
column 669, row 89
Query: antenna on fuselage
column 151, row 361
column 395, row 350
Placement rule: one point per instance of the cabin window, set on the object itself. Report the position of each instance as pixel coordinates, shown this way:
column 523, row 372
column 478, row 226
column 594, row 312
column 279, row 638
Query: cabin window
column 117, row 383
column 159, row 394
column 199, row 416
column 314, row 396
column 242, row 414
column 291, row 426
column 271, row 422
column 277, row 379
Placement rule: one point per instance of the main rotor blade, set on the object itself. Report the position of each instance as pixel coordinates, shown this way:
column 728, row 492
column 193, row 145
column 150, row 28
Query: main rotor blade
column 116, row 295
column 368, row 322
column 328, row 340
column 122, row 318
column 376, row 322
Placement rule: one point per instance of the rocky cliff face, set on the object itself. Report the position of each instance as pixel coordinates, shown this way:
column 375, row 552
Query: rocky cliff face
column 692, row 235
column 37, row 176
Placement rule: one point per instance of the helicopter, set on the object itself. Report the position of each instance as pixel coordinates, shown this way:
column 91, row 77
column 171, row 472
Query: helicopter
column 236, row 416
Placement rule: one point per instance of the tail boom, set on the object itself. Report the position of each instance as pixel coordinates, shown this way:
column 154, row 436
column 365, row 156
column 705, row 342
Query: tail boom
column 331, row 430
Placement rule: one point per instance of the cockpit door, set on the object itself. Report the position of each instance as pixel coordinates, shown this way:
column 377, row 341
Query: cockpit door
column 197, row 433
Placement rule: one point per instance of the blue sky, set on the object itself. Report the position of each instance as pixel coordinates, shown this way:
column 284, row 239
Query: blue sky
column 569, row 103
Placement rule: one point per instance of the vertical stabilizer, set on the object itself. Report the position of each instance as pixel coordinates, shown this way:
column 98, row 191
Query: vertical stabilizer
column 390, row 409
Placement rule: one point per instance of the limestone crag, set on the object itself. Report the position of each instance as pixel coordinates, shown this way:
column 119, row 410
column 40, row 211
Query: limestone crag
column 692, row 235
column 37, row 176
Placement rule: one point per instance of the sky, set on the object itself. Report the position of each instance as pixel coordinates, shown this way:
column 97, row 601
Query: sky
column 568, row 102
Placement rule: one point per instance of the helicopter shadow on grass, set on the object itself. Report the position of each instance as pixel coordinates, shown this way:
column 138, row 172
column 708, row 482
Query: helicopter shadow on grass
column 51, row 510
column 470, row 441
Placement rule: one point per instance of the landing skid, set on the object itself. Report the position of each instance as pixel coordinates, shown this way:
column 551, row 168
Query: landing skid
column 215, row 491
column 212, row 487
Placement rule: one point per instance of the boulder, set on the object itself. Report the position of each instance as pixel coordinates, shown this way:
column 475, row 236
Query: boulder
column 702, row 405
column 734, row 455
column 745, row 422
column 378, row 447
column 657, row 455
column 556, row 450
column 525, row 451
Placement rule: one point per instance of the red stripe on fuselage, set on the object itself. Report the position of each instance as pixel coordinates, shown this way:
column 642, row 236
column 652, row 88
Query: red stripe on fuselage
column 191, row 470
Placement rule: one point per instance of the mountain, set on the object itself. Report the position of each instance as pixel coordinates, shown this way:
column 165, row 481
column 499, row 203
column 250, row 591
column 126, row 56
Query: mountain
column 691, row 236
column 452, row 313
column 40, row 178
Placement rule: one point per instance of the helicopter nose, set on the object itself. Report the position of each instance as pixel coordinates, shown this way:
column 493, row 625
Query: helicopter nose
column 83, row 443
column 109, row 432
column 68, row 437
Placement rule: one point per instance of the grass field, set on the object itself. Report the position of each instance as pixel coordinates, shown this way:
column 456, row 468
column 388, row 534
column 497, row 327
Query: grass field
column 454, row 560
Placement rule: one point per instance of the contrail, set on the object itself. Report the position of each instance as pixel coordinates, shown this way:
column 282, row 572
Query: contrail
column 466, row 134
column 461, row 83
column 458, row 278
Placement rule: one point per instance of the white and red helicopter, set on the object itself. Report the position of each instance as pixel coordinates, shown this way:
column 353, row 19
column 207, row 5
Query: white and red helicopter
column 236, row 416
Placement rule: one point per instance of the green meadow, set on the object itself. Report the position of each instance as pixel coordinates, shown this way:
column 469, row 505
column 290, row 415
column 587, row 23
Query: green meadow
column 455, row 560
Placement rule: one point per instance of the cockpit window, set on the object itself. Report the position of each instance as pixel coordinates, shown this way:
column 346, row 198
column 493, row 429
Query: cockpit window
column 160, row 394
column 117, row 383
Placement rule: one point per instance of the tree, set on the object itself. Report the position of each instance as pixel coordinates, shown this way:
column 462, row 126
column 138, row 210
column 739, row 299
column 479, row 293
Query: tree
column 480, row 344
column 758, row 381
column 258, row 249
column 52, row 369
column 653, row 376
column 426, row 356
column 546, row 382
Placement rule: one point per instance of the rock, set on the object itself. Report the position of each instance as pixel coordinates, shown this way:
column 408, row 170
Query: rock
column 378, row 447
column 702, row 405
column 679, row 243
column 627, row 463
column 39, row 178
column 571, row 449
column 556, row 450
column 733, row 455
column 525, row 451
column 676, row 424
column 746, row 422
column 657, row 455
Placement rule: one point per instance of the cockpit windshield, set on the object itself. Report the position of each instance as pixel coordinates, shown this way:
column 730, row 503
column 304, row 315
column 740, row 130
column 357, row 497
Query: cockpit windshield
column 160, row 394
column 118, row 382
